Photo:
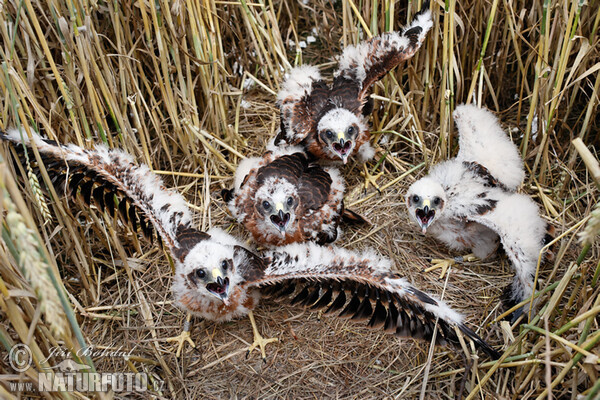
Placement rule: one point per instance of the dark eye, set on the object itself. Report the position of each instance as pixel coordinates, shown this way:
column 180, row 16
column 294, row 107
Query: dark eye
column 350, row 130
column 290, row 201
column 329, row 134
column 437, row 201
column 200, row 273
column 266, row 205
column 415, row 199
column 224, row 265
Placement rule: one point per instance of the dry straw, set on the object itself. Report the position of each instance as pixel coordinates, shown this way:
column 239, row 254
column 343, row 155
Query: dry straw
column 188, row 88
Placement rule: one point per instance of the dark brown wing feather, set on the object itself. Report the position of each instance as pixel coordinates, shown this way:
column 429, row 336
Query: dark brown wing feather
column 111, row 187
column 314, row 187
column 346, row 93
column 289, row 167
column 357, row 293
column 253, row 266
column 187, row 238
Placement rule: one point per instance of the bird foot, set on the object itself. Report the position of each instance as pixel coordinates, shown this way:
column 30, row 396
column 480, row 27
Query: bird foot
column 445, row 263
column 370, row 180
column 259, row 341
column 182, row 338
column 442, row 264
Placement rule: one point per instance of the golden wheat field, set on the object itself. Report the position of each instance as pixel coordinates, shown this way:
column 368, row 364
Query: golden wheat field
column 188, row 87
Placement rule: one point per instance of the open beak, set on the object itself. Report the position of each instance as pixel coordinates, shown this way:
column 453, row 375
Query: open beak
column 342, row 147
column 281, row 219
column 425, row 215
column 220, row 286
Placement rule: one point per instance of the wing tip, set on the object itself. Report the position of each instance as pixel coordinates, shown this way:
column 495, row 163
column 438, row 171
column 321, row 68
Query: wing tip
column 227, row 195
column 479, row 342
column 421, row 23
column 353, row 218
column 426, row 7
column 424, row 17
column 12, row 135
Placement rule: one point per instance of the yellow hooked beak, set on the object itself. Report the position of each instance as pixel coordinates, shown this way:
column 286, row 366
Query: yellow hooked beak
column 426, row 203
column 219, row 287
column 279, row 207
column 216, row 273
column 340, row 135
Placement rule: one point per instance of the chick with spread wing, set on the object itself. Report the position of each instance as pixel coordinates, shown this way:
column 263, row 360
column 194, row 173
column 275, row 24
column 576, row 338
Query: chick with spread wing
column 217, row 278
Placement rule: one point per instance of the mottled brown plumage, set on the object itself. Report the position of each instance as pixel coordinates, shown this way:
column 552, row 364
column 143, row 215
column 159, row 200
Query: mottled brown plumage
column 310, row 198
column 329, row 122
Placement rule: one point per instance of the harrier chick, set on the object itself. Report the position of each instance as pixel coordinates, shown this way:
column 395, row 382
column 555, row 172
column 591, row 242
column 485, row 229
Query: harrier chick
column 470, row 202
column 330, row 122
column 283, row 198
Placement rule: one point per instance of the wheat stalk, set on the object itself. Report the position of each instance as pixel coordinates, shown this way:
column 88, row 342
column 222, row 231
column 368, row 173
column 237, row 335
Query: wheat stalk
column 31, row 262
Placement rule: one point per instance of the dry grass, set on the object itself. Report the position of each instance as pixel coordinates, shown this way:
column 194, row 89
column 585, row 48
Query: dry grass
column 188, row 87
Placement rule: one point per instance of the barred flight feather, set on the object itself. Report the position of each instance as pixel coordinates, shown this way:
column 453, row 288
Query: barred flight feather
column 111, row 180
column 359, row 287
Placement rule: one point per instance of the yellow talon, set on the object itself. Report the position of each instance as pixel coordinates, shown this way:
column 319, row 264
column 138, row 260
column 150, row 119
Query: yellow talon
column 183, row 337
column 445, row 263
column 259, row 341
column 440, row 263
column 370, row 179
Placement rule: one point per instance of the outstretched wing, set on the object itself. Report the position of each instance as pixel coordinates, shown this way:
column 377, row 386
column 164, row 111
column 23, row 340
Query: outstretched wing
column 361, row 287
column 369, row 61
column 111, row 179
column 523, row 233
column 299, row 99
column 482, row 140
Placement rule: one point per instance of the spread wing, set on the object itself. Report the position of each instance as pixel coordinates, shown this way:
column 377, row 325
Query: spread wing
column 359, row 286
column 370, row 60
column 523, row 233
column 482, row 140
column 302, row 94
column 112, row 181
